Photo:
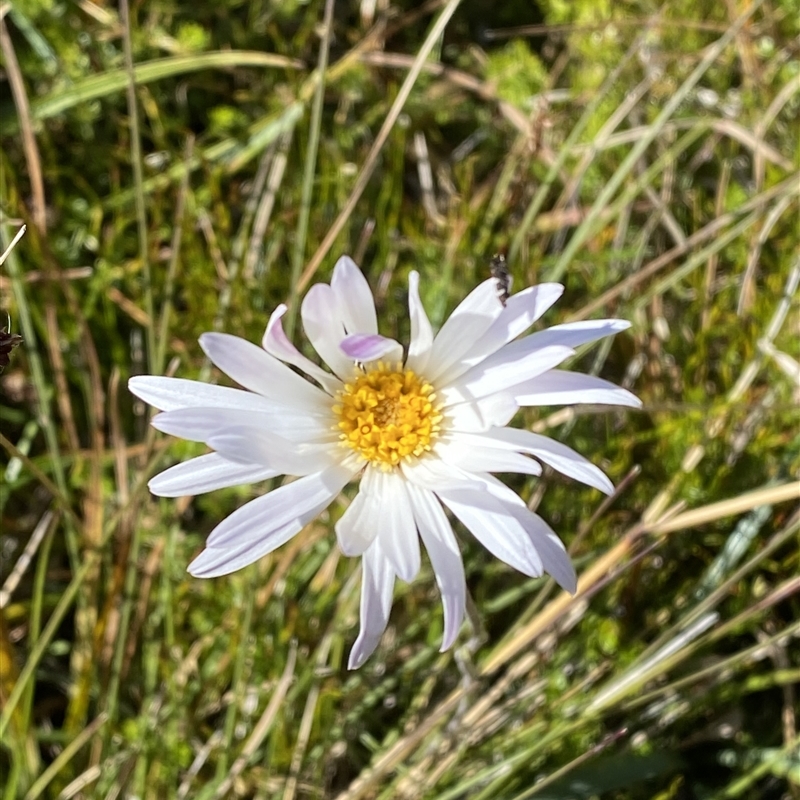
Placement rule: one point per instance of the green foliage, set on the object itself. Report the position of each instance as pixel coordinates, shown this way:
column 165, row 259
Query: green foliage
column 657, row 186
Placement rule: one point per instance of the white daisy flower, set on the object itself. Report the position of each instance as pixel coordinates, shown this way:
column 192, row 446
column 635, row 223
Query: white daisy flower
column 421, row 433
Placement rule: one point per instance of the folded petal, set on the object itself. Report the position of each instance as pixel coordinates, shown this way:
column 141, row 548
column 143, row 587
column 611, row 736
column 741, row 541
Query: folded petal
column 442, row 547
column 419, row 348
column 465, row 326
column 325, row 329
column 377, row 586
column 263, row 519
column 560, row 387
column 277, row 344
column 168, row 394
column 521, row 311
column 257, row 370
column 205, row 474
column 363, row 347
column 354, row 297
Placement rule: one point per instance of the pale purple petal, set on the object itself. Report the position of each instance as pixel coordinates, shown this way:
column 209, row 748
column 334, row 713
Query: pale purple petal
column 363, row 347
column 498, row 372
column 398, row 533
column 264, row 517
column 354, row 297
column 377, row 586
column 205, row 474
column 560, row 457
column 439, row 541
column 465, row 326
column 419, row 348
column 199, row 424
column 521, row 311
column 257, row 370
column 168, row 394
column 560, row 387
column 277, row 343
column 325, row 329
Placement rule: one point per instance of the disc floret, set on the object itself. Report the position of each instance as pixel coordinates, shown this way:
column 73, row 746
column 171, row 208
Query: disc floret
column 387, row 414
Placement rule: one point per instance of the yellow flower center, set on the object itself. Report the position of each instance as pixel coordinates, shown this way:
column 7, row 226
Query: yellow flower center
column 387, row 414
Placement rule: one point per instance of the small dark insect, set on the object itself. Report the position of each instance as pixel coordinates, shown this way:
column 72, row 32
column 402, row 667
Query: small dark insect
column 499, row 270
column 8, row 341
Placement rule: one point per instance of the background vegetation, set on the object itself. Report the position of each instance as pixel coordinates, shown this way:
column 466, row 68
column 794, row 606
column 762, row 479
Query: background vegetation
column 181, row 167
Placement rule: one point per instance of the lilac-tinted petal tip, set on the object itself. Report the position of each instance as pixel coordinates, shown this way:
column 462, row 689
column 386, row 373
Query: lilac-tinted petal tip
column 366, row 347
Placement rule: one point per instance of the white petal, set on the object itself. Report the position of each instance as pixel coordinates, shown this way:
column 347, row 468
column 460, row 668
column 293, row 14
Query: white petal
column 364, row 347
column 377, row 586
column 560, row 457
column 205, row 474
column 325, row 329
column 398, row 533
column 244, row 444
column 277, row 343
column 432, row 473
column 574, row 334
column 501, row 371
column 257, row 370
column 484, row 458
column 547, row 545
column 480, row 415
column 465, row 326
column 551, row 550
column 521, row 311
column 495, row 527
column 439, row 541
column 168, row 394
column 359, row 525
column 265, row 516
column 419, row 348
column 199, row 424
column 354, row 297
column 559, row 387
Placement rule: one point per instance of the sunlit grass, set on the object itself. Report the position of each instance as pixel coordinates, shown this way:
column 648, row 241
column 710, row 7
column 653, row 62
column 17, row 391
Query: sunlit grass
column 649, row 162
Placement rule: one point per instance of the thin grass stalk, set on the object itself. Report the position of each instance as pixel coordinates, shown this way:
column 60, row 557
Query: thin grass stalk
column 38, row 650
column 665, row 259
column 587, row 226
column 309, row 170
column 565, row 150
column 138, row 180
column 172, row 269
column 64, row 757
column 238, row 678
column 383, row 134
column 45, row 416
